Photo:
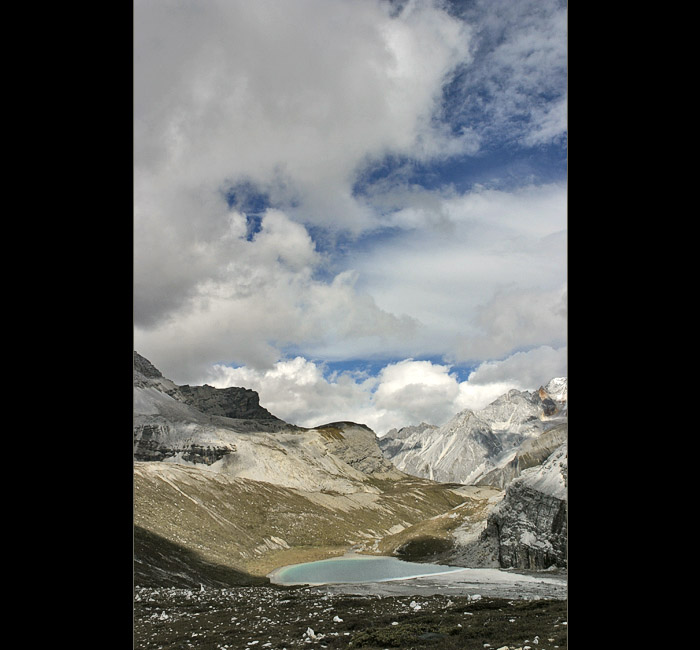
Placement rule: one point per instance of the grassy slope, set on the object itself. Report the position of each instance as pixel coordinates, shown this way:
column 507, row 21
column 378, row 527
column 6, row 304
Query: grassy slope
column 432, row 538
column 252, row 527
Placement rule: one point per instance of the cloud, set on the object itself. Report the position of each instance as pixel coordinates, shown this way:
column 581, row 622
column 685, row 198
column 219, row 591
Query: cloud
column 516, row 318
column 416, row 391
column 527, row 370
column 265, row 91
column 297, row 391
column 515, row 90
column 292, row 98
column 470, row 277
column 264, row 297
column 323, row 110
column 402, row 393
column 482, row 272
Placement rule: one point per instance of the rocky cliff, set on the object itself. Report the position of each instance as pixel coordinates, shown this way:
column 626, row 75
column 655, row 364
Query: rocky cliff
column 233, row 402
column 524, row 527
column 529, row 527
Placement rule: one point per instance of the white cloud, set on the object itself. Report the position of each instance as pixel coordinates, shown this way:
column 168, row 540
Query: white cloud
column 264, row 297
column 407, row 392
column 416, row 391
column 486, row 281
column 516, row 318
column 297, row 391
column 482, row 272
column 524, row 370
column 295, row 98
column 266, row 91
column 283, row 241
column 517, row 85
column 402, row 393
column 290, row 96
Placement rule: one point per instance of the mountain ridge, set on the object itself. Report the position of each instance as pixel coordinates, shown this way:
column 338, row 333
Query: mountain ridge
column 248, row 494
column 519, row 444
column 474, row 445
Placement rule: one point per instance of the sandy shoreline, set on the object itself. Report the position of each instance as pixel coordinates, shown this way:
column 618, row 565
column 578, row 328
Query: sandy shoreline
column 497, row 583
column 493, row 583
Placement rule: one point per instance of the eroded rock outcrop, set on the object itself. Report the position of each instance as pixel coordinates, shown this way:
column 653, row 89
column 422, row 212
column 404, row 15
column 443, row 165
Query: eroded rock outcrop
column 234, row 402
column 529, row 527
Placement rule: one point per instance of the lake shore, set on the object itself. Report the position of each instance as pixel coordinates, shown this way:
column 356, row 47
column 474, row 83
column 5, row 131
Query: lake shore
column 336, row 571
column 492, row 583
column 495, row 583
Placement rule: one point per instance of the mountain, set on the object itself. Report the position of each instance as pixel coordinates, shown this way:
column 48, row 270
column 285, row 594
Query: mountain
column 224, row 491
column 518, row 443
column 529, row 527
column 486, row 447
column 226, row 430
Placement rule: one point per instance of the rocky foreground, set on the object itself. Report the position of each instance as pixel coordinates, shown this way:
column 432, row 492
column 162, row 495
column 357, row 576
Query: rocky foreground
column 278, row 618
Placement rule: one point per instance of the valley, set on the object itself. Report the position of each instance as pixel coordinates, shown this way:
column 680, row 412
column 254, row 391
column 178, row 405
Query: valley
column 255, row 527
column 224, row 493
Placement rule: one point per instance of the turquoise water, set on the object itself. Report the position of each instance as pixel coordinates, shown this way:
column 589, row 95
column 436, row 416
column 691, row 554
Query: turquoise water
column 357, row 569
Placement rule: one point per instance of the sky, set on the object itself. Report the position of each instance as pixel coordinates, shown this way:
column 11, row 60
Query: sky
column 357, row 208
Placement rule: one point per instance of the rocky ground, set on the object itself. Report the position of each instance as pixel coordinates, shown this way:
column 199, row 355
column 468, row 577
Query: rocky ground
column 278, row 617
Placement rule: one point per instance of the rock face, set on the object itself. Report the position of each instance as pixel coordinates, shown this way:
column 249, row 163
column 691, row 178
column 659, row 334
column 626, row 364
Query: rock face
column 530, row 453
column 227, row 402
column 144, row 367
column 233, row 402
column 405, row 439
column 529, row 527
column 356, row 445
column 179, row 423
column 149, row 446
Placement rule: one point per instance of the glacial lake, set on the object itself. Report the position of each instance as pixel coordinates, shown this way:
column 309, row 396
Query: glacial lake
column 355, row 569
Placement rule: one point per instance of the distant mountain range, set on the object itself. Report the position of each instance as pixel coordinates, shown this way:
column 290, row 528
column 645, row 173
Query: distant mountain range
column 518, row 443
column 224, row 491
column 491, row 446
